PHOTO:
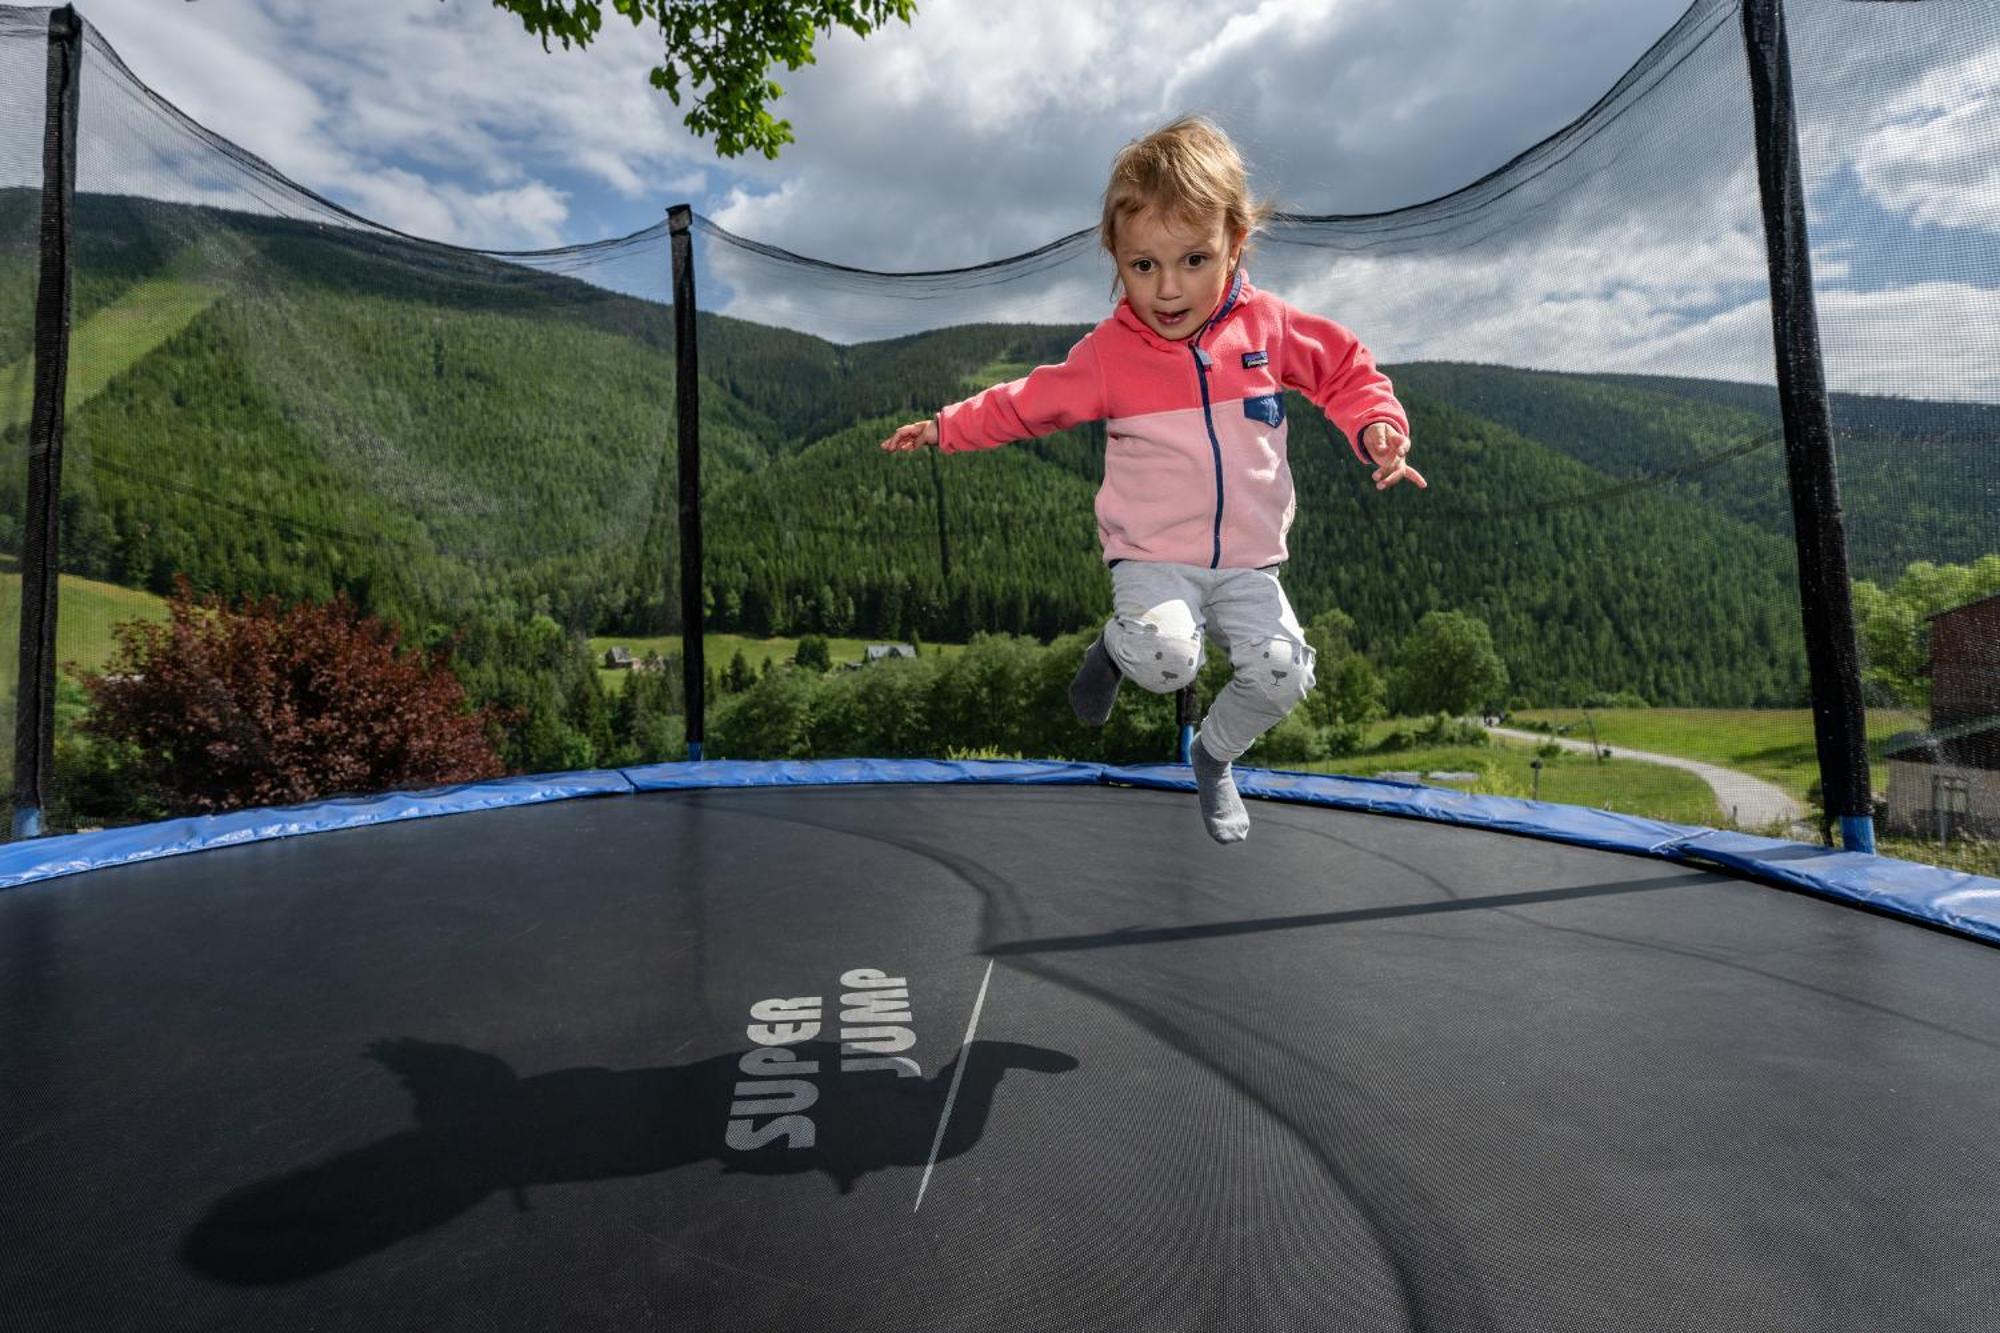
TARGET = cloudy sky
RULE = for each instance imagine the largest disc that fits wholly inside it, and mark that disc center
(984, 129)
(979, 130)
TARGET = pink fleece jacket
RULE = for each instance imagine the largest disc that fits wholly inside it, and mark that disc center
(1194, 463)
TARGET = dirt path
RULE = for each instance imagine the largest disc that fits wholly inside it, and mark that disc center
(1747, 802)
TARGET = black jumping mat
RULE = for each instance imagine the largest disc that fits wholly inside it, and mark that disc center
(964, 1057)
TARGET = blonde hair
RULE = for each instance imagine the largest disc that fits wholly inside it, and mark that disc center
(1188, 172)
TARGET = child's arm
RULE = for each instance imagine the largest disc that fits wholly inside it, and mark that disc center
(1045, 400)
(1328, 364)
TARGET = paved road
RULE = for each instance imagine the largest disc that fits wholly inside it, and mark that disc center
(1751, 803)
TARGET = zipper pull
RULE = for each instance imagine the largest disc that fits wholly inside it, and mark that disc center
(1201, 355)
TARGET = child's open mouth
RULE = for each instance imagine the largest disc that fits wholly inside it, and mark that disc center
(1170, 321)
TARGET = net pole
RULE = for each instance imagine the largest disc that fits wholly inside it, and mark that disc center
(35, 702)
(687, 404)
(1839, 720)
(1187, 712)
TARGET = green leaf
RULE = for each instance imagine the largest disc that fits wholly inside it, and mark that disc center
(722, 48)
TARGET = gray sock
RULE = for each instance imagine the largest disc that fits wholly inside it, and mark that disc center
(1095, 688)
(1221, 808)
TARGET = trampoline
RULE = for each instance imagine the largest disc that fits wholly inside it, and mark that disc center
(991, 1045)
(963, 1056)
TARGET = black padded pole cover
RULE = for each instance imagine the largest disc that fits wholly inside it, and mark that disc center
(1824, 595)
(34, 725)
(687, 404)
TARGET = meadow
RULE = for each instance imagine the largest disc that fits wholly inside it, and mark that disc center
(86, 611)
(720, 648)
(1624, 786)
(105, 343)
(1775, 744)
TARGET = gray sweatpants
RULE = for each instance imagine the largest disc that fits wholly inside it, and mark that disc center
(1155, 637)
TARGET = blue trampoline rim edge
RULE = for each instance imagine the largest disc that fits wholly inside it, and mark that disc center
(1964, 904)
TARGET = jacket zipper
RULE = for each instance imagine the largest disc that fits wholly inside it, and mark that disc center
(1201, 363)
(1214, 445)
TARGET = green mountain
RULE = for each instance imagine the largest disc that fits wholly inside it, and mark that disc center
(274, 407)
(1919, 480)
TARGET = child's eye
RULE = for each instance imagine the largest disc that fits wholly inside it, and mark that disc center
(1142, 266)
(1196, 261)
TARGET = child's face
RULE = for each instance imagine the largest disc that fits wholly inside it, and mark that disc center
(1174, 275)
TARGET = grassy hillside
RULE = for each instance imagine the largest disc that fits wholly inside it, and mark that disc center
(1773, 744)
(87, 610)
(1625, 786)
(108, 342)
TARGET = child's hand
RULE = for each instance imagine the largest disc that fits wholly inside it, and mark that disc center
(1388, 447)
(916, 435)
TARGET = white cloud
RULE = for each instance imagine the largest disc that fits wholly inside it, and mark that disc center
(23, 65)
(1931, 155)
(448, 116)
(1938, 340)
(1575, 291)
(523, 217)
(986, 130)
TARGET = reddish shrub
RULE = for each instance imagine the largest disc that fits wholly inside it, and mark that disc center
(265, 705)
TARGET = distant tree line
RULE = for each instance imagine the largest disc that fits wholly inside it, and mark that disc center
(222, 706)
(1892, 623)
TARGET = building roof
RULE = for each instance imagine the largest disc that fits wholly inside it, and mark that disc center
(1968, 606)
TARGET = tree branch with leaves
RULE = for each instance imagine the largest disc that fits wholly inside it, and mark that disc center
(722, 51)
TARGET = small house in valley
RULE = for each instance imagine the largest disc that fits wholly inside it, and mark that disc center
(877, 651)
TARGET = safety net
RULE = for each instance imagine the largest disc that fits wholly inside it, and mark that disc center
(402, 513)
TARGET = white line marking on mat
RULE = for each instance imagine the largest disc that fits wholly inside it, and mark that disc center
(964, 1054)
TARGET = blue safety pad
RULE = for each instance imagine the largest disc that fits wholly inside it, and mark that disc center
(1968, 904)
(834, 772)
(1380, 796)
(72, 853)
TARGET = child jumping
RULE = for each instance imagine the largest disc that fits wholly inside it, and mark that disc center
(1188, 374)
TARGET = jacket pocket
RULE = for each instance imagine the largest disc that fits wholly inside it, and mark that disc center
(1269, 409)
